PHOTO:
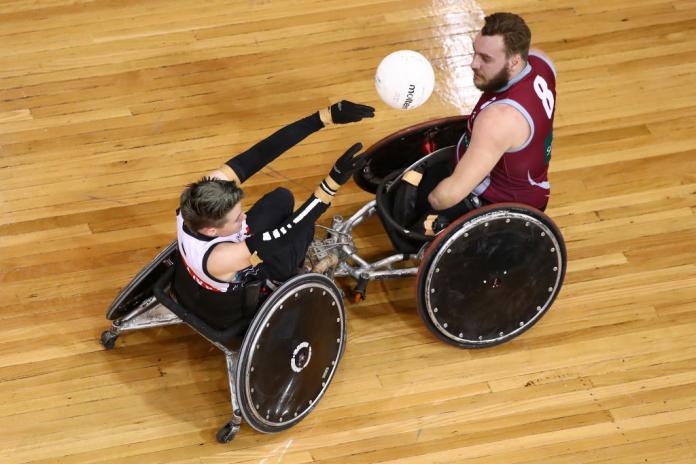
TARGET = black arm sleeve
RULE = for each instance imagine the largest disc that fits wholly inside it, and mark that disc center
(255, 158)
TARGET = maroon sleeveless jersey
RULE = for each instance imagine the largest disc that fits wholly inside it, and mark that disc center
(521, 173)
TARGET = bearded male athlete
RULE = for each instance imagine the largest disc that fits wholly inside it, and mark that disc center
(504, 153)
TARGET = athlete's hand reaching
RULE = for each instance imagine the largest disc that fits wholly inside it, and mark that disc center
(345, 112)
(347, 164)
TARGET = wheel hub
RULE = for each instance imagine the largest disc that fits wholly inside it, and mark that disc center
(301, 356)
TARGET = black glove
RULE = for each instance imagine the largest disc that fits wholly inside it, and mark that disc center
(345, 111)
(347, 164)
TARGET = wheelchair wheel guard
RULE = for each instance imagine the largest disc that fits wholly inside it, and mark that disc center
(491, 275)
(139, 289)
(402, 148)
(290, 352)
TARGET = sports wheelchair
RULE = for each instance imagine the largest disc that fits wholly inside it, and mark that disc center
(483, 280)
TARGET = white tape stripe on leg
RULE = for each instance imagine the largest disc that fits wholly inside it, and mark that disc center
(306, 211)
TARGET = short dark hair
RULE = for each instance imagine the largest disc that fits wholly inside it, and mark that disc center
(515, 32)
(206, 203)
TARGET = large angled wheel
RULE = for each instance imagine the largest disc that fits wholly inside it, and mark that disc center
(290, 352)
(491, 275)
(139, 290)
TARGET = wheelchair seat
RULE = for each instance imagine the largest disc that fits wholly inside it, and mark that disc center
(219, 310)
(403, 237)
(223, 336)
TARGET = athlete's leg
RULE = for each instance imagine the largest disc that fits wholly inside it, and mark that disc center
(287, 261)
(271, 210)
(282, 248)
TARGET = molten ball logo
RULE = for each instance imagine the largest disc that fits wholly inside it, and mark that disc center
(404, 79)
(409, 96)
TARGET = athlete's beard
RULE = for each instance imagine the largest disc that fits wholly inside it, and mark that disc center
(496, 82)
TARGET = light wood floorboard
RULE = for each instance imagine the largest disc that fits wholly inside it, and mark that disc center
(108, 108)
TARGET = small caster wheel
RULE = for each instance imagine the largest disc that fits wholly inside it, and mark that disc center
(227, 433)
(108, 339)
(360, 290)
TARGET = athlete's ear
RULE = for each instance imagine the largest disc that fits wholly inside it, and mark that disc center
(515, 60)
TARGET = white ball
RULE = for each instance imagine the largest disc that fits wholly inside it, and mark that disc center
(405, 79)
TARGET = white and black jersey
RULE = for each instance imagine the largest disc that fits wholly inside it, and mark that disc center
(194, 250)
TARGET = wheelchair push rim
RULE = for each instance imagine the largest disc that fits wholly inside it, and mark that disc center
(491, 275)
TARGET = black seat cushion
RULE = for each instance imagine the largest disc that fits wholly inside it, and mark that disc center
(217, 309)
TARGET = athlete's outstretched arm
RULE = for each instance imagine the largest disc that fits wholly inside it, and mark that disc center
(230, 257)
(248, 163)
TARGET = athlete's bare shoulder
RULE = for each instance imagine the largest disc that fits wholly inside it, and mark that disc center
(227, 258)
(502, 125)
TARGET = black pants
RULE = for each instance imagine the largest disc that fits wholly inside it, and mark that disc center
(271, 211)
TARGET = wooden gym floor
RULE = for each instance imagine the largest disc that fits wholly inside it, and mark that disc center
(109, 107)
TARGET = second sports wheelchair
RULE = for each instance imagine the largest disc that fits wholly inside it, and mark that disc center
(483, 280)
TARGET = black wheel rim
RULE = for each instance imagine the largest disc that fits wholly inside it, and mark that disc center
(491, 277)
(291, 352)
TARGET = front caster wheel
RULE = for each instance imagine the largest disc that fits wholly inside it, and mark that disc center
(227, 433)
(108, 339)
(360, 290)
